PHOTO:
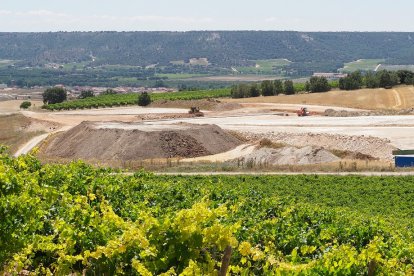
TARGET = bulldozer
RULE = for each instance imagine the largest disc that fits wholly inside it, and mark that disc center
(303, 112)
(196, 112)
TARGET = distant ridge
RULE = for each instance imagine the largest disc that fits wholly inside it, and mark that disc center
(221, 48)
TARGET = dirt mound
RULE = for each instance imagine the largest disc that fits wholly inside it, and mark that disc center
(178, 145)
(291, 156)
(122, 141)
(374, 147)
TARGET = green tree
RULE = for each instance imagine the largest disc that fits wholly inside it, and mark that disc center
(351, 82)
(144, 99)
(319, 84)
(254, 90)
(405, 76)
(268, 88)
(387, 79)
(278, 87)
(371, 80)
(289, 89)
(240, 91)
(86, 94)
(307, 86)
(54, 95)
(25, 105)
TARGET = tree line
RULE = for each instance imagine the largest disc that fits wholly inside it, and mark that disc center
(380, 79)
(355, 80)
(276, 87)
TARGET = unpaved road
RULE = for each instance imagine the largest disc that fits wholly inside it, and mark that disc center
(26, 148)
(31, 144)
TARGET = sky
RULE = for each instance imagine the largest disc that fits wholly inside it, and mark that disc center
(188, 15)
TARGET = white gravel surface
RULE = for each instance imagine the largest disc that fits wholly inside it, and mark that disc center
(398, 129)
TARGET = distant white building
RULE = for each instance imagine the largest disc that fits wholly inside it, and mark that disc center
(3, 85)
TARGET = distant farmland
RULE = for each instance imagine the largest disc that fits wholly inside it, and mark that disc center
(362, 65)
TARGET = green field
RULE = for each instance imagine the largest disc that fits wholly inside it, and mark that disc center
(6, 62)
(73, 219)
(131, 99)
(362, 65)
(266, 66)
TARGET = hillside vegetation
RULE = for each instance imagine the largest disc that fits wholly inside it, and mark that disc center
(65, 219)
(225, 48)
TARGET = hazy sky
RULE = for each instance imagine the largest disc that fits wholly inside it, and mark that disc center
(184, 15)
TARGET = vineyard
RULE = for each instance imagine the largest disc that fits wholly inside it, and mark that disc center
(63, 219)
(131, 99)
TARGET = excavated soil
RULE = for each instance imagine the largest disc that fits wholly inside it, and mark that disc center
(291, 156)
(129, 142)
(364, 147)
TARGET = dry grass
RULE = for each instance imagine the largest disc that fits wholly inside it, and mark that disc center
(175, 165)
(12, 133)
(14, 106)
(401, 97)
(267, 143)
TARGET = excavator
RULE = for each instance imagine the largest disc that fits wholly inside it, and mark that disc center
(196, 112)
(303, 112)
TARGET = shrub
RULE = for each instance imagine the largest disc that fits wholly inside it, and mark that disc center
(25, 105)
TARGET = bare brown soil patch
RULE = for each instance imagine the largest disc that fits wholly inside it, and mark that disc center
(16, 129)
(89, 141)
(345, 147)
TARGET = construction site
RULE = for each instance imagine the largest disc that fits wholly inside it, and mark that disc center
(284, 133)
